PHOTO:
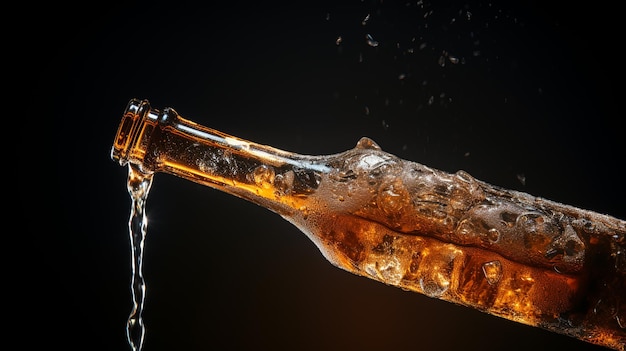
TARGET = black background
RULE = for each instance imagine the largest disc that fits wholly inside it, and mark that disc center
(534, 96)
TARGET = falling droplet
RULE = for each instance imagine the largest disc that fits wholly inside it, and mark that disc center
(492, 271)
(385, 124)
(367, 18)
(339, 40)
(370, 41)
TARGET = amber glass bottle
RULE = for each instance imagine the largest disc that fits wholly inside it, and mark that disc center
(448, 236)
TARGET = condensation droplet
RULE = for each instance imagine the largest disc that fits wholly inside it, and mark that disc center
(492, 271)
(493, 235)
(390, 198)
(465, 230)
(367, 143)
(570, 246)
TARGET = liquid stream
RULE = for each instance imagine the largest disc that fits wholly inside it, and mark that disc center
(138, 188)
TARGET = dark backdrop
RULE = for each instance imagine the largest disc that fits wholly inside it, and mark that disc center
(531, 104)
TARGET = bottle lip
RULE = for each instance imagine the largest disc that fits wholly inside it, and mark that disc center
(128, 129)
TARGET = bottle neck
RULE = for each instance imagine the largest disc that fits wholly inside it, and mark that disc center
(162, 141)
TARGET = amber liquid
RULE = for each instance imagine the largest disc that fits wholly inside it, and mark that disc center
(447, 236)
(451, 237)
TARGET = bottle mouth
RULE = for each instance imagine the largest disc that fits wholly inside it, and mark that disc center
(128, 130)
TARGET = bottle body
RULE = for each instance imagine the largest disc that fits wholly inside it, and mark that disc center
(448, 236)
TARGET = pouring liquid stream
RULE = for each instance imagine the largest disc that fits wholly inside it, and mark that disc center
(138, 187)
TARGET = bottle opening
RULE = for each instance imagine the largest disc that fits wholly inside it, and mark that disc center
(128, 129)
